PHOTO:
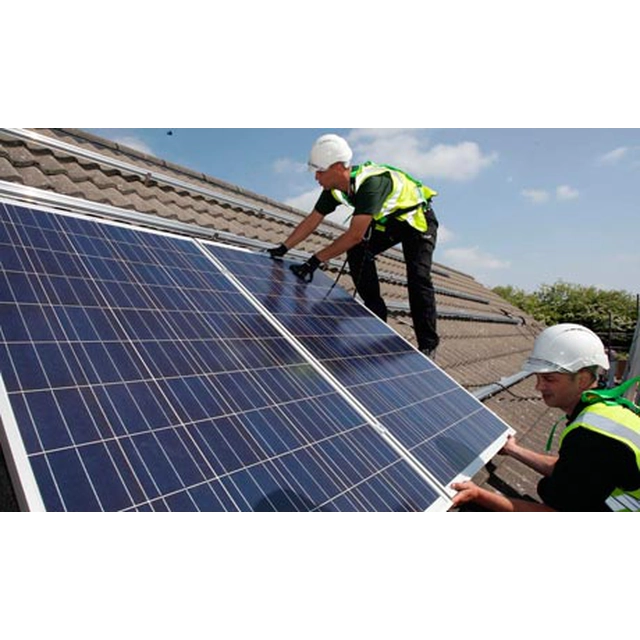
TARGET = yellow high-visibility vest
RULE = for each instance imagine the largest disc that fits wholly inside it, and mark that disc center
(407, 202)
(617, 422)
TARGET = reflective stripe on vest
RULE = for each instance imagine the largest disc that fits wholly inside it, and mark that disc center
(622, 425)
(407, 195)
(619, 501)
(610, 427)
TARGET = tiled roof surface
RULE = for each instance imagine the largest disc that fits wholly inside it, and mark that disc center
(484, 339)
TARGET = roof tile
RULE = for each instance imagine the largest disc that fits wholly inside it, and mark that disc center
(9, 173)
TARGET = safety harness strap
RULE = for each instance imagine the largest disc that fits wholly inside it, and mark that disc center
(610, 397)
(614, 396)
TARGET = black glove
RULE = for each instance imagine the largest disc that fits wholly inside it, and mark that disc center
(278, 252)
(305, 271)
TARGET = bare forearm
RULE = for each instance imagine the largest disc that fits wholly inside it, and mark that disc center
(497, 502)
(469, 492)
(539, 462)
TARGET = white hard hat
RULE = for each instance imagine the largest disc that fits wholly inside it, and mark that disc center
(327, 150)
(566, 348)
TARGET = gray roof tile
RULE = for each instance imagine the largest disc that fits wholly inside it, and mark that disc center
(9, 172)
(34, 177)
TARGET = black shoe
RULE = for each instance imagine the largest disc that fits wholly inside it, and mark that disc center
(430, 353)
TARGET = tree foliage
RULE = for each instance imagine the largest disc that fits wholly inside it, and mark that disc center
(599, 310)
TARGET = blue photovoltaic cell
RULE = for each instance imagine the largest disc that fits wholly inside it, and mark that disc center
(140, 378)
(442, 425)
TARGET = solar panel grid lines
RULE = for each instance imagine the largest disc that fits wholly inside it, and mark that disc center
(276, 289)
(69, 404)
(114, 418)
(447, 431)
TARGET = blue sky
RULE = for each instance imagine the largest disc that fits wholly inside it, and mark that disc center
(517, 206)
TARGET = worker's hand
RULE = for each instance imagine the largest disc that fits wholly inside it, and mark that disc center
(467, 492)
(305, 271)
(509, 447)
(278, 252)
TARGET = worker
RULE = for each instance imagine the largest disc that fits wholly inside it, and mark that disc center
(598, 463)
(389, 207)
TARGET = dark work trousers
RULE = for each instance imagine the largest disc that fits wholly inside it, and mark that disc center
(418, 255)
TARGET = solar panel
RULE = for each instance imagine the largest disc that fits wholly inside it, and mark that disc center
(446, 429)
(136, 375)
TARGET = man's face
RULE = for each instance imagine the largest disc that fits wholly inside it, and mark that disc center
(560, 390)
(327, 178)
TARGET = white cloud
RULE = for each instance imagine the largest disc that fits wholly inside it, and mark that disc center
(135, 143)
(565, 192)
(472, 260)
(537, 196)
(613, 157)
(409, 150)
(305, 201)
(460, 162)
(541, 196)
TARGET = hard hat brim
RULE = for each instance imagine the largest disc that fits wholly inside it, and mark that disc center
(314, 168)
(535, 365)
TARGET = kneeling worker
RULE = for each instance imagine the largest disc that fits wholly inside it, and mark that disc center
(599, 457)
(390, 207)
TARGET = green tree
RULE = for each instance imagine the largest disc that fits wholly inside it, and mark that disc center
(599, 310)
